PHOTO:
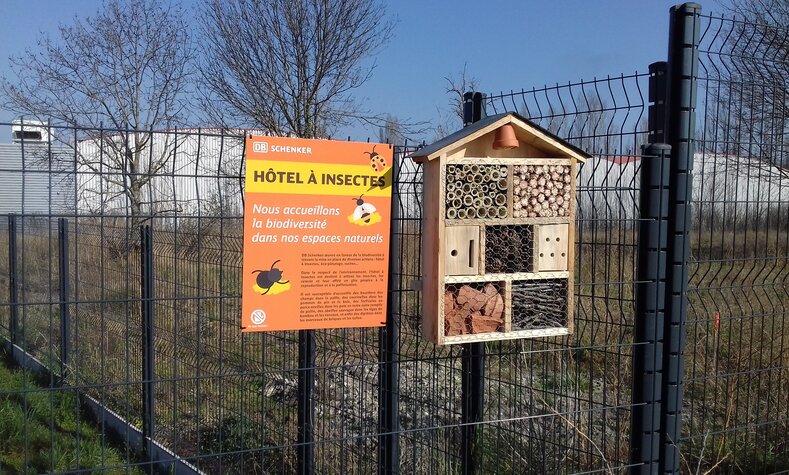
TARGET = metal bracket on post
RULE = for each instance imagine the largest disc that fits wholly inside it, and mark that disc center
(683, 58)
(148, 367)
(13, 281)
(63, 288)
(650, 306)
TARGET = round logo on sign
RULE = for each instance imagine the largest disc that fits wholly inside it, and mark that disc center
(258, 317)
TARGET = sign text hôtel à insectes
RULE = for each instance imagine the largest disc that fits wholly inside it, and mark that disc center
(316, 234)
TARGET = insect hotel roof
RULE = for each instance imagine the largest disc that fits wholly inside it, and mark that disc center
(476, 140)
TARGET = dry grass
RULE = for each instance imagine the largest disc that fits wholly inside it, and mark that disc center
(220, 391)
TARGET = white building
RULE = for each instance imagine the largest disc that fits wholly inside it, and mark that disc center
(36, 173)
(723, 186)
(191, 172)
(185, 172)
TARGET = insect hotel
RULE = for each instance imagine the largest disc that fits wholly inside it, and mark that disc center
(498, 232)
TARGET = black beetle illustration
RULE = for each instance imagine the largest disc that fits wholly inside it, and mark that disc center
(267, 278)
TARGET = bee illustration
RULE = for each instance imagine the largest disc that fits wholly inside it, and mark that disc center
(267, 278)
(363, 210)
(377, 162)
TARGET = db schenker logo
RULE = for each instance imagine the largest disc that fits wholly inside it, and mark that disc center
(258, 317)
(261, 147)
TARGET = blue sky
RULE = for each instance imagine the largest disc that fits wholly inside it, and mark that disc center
(504, 44)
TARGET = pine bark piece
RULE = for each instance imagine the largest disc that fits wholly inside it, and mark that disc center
(454, 324)
(455, 321)
(489, 290)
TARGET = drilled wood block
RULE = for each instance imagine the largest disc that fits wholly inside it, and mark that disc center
(551, 247)
(461, 252)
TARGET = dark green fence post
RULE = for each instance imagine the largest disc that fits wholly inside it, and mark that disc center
(389, 345)
(148, 367)
(650, 305)
(305, 450)
(13, 281)
(63, 289)
(684, 35)
(473, 354)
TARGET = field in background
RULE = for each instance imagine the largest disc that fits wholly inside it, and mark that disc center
(218, 391)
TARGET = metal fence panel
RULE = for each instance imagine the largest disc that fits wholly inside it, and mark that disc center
(737, 414)
(224, 402)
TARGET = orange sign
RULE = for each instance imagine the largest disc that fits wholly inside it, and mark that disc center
(316, 234)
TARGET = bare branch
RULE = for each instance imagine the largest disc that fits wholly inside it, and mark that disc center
(129, 67)
(289, 66)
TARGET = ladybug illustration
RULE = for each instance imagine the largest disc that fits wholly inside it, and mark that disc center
(377, 162)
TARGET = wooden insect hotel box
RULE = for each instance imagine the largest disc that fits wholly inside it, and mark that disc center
(498, 232)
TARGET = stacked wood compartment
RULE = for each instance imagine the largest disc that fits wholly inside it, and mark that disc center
(515, 250)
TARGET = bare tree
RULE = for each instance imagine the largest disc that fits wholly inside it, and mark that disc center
(289, 66)
(750, 92)
(590, 128)
(393, 131)
(451, 116)
(127, 68)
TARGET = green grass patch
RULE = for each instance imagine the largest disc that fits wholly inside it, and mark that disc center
(44, 430)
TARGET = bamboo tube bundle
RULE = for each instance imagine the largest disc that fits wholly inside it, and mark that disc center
(480, 190)
(537, 190)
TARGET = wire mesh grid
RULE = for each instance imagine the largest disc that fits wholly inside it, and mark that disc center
(227, 402)
(509, 248)
(563, 403)
(737, 352)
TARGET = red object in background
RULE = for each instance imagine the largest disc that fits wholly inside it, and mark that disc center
(717, 321)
